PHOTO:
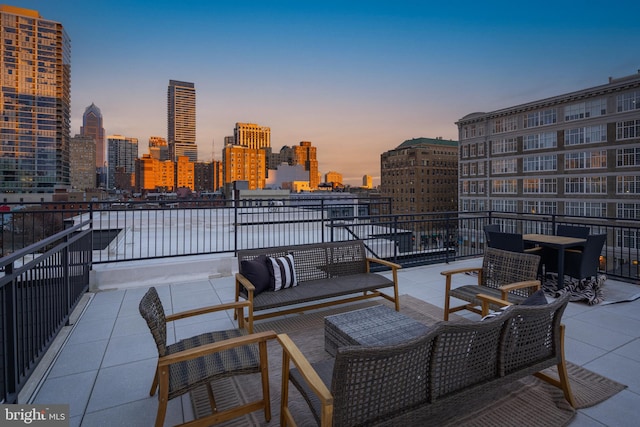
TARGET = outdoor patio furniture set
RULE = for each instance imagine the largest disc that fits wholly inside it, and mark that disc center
(387, 367)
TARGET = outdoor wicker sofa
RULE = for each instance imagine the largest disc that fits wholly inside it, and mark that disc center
(428, 379)
(323, 274)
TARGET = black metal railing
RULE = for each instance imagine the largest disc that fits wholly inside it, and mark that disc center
(43, 281)
(146, 230)
(39, 287)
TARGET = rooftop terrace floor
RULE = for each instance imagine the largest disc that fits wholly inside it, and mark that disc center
(105, 360)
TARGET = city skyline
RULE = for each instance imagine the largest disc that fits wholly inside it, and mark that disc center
(355, 79)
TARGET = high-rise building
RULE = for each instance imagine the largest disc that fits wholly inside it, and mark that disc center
(82, 161)
(245, 158)
(305, 154)
(122, 152)
(158, 148)
(571, 154)
(421, 175)
(251, 135)
(35, 103)
(244, 164)
(181, 120)
(92, 127)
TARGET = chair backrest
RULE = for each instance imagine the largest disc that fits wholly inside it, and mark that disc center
(366, 380)
(589, 258)
(490, 228)
(506, 241)
(572, 231)
(152, 311)
(531, 335)
(500, 267)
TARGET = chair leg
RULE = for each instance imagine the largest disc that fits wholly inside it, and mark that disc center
(264, 372)
(163, 395)
(212, 399)
(154, 384)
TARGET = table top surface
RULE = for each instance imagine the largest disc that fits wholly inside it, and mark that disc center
(553, 240)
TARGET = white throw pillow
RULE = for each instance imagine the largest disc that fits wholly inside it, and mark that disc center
(283, 272)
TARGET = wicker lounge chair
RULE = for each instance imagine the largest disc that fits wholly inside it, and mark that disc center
(509, 276)
(196, 361)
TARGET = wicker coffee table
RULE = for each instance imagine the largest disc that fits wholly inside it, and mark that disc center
(371, 326)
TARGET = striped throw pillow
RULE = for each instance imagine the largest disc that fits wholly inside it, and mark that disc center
(283, 275)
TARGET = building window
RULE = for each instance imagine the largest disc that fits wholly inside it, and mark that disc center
(465, 151)
(628, 129)
(481, 168)
(629, 184)
(540, 163)
(585, 135)
(628, 239)
(628, 210)
(540, 118)
(584, 110)
(585, 208)
(505, 124)
(540, 141)
(480, 148)
(501, 166)
(628, 101)
(585, 160)
(502, 146)
(586, 185)
(628, 157)
(504, 186)
(541, 207)
(540, 186)
(504, 205)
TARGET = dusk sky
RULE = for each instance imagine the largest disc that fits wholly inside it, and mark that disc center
(356, 78)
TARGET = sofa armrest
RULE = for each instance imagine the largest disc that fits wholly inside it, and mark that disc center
(292, 354)
(487, 300)
(237, 307)
(462, 270)
(384, 262)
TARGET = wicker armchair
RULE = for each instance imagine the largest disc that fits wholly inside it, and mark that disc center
(196, 361)
(509, 276)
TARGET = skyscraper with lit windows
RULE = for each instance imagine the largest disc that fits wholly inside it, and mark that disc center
(35, 104)
(181, 120)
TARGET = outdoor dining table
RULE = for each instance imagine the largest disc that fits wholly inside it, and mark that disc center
(560, 243)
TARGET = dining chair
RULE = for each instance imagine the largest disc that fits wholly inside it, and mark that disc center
(490, 228)
(194, 362)
(572, 231)
(512, 242)
(585, 264)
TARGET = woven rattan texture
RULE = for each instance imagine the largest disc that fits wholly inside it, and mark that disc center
(424, 380)
(501, 268)
(372, 326)
(323, 270)
(190, 374)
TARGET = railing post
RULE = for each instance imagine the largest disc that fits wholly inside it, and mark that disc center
(446, 237)
(322, 220)
(235, 226)
(10, 344)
